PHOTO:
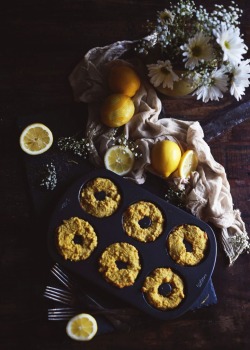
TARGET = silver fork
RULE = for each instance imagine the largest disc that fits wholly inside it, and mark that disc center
(67, 297)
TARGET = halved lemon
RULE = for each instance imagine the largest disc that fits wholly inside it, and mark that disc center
(82, 327)
(36, 139)
(119, 159)
(188, 163)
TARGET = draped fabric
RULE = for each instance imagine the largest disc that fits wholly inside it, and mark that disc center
(208, 191)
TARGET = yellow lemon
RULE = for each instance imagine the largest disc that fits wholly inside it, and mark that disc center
(117, 110)
(82, 327)
(165, 157)
(123, 79)
(119, 159)
(36, 139)
(188, 163)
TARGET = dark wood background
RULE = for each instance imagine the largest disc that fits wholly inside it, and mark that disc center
(41, 42)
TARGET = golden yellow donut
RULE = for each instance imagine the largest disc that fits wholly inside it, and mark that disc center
(137, 212)
(177, 248)
(151, 286)
(73, 229)
(104, 206)
(120, 252)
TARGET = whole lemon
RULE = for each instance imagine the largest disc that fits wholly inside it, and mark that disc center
(165, 157)
(117, 110)
(123, 79)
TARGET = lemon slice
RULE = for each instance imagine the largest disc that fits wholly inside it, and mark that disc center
(82, 327)
(188, 163)
(36, 139)
(119, 159)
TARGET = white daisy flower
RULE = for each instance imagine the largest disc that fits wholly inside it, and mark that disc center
(166, 16)
(196, 50)
(162, 73)
(240, 79)
(231, 43)
(213, 86)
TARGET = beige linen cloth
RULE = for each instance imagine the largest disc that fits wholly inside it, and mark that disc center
(208, 191)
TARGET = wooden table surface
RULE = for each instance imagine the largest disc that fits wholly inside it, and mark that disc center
(41, 42)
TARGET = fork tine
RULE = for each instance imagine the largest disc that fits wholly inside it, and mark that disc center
(60, 314)
(62, 276)
(61, 310)
(59, 295)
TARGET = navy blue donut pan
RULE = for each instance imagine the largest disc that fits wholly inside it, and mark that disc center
(152, 255)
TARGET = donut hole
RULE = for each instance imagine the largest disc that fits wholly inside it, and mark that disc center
(100, 195)
(78, 239)
(121, 264)
(188, 245)
(145, 222)
(165, 289)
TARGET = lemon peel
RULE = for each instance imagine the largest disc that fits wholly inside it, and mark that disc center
(123, 79)
(165, 157)
(117, 110)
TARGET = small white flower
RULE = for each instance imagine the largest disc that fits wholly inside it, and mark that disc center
(197, 49)
(162, 73)
(231, 43)
(240, 79)
(213, 87)
(166, 16)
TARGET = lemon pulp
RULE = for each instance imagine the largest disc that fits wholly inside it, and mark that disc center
(119, 159)
(36, 139)
(188, 164)
(82, 327)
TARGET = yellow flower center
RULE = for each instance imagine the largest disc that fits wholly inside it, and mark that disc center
(165, 71)
(227, 45)
(196, 51)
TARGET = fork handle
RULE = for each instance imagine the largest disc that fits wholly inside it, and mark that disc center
(114, 316)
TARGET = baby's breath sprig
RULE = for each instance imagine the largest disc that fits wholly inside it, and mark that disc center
(176, 196)
(124, 141)
(82, 147)
(238, 242)
(49, 180)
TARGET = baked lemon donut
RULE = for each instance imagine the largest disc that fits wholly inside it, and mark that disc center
(177, 249)
(126, 254)
(100, 197)
(152, 284)
(76, 239)
(135, 214)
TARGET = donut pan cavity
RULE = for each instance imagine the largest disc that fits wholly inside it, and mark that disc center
(152, 255)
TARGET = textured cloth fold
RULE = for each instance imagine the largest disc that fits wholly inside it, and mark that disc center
(208, 192)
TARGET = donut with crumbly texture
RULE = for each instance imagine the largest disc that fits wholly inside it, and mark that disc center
(151, 286)
(120, 252)
(100, 207)
(137, 212)
(67, 233)
(177, 248)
